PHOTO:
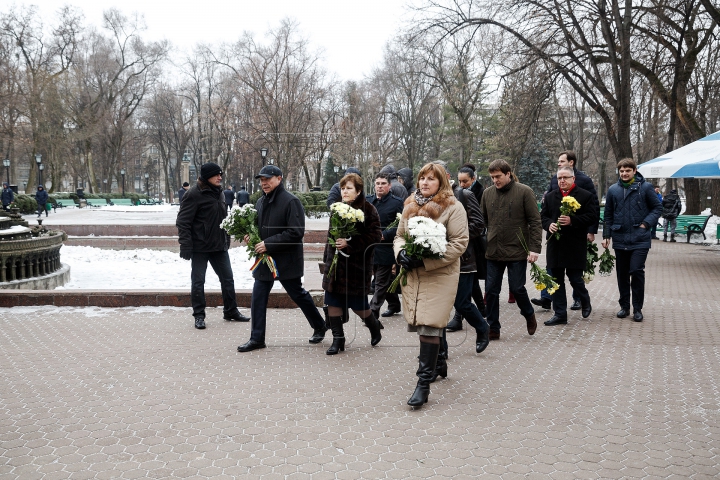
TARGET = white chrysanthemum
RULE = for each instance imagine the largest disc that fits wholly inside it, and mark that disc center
(429, 234)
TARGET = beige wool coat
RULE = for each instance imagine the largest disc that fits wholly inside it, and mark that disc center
(430, 292)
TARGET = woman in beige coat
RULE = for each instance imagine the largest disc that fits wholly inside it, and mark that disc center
(431, 283)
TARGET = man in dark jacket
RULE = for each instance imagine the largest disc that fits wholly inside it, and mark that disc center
(568, 254)
(229, 197)
(510, 212)
(41, 197)
(202, 241)
(568, 159)
(396, 188)
(243, 197)
(388, 206)
(281, 220)
(8, 196)
(180, 193)
(671, 208)
(334, 195)
(631, 209)
(405, 177)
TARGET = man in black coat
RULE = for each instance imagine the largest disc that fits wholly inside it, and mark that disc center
(229, 197)
(202, 241)
(42, 198)
(182, 191)
(671, 208)
(281, 220)
(569, 159)
(388, 206)
(243, 197)
(568, 254)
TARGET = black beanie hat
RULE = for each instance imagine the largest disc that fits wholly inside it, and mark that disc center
(209, 170)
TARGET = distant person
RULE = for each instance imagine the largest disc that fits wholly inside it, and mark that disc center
(671, 208)
(202, 241)
(181, 192)
(334, 196)
(8, 196)
(243, 197)
(41, 196)
(405, 177)
(229, 197)
(281, 220)
(396, 188)
(653, 231)
(631, 209)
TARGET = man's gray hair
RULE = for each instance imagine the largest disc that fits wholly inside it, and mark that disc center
(567, 169)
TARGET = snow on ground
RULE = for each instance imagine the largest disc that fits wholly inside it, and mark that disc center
(143, 269)
(37, 311)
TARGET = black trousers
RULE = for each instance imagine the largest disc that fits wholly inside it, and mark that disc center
(294, 289)
(383, 278)
(559, 298)
(220, 262)
(630, 269)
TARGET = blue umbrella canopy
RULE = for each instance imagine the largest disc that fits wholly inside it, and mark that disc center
(699, 159)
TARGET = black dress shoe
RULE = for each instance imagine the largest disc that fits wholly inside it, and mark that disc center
(455, 323)
(482, 340)
(389, 313)
(555, 320)
(586, 310)
(542, 302)
(318, 335)
(576, 305)
(638, 316)
(236, 317)
(251, 345)
(199, 323)
(622, 313)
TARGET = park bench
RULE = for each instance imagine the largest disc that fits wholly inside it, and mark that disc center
(96, 202)
(126, 202)
(692, 225)
(62, 204)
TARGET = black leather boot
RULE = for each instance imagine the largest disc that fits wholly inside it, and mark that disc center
(441, 365)
(426, 367)
(373, 324)
(455, 323)
(338, 345)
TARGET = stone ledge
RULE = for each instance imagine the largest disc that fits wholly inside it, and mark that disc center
(136, 298)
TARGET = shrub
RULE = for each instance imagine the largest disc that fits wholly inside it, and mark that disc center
(25, 203)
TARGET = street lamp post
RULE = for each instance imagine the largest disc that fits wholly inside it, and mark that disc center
(105, 185)
(263, 154)
(122, 172)
(6, 162)
(41, 168)
(38, 160)
(147, 186)
(336, 169)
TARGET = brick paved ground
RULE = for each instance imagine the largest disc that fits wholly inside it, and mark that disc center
(129, 393)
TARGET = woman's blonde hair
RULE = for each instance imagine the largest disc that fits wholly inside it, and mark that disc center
(438, 172)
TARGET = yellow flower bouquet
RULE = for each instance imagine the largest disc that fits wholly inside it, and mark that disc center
(539, 276)
(569, 205)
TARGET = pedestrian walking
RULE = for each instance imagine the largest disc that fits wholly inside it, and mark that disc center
(432, 283)
(512, 218)
(229, 197)
(7, 197)
(671, 208)
(346, 281)
(181, 192)
(41, 197)
(202, 241)
(243, 197)
(631, 209)
(281, 222)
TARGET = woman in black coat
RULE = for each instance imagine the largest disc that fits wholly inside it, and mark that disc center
(348, 286)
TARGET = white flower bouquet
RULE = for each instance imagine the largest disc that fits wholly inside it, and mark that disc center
(343, 224)
(242, 221)
(424, 238)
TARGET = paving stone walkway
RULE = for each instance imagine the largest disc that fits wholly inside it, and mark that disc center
(139, 393)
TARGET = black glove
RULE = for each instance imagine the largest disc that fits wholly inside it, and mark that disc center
(186, 254)
(407, 262)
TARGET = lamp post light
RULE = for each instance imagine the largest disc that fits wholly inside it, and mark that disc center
(263, 154)
(38, 160)
(105, 185)
(122, 172)
(41, 167)
(147, 186)
(6, 162)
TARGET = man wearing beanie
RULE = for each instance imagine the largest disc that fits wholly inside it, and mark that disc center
(202, 240)
(281, 220)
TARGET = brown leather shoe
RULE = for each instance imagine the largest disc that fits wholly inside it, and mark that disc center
(531, 324)
(494, 335)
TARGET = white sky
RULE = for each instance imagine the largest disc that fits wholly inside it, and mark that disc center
(351, 32)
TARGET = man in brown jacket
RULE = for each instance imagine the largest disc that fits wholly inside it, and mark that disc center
(511, 214)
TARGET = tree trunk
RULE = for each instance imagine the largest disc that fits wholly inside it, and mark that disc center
(715, 193)
(692, 196)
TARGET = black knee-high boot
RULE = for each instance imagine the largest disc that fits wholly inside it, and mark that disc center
(338, 345)
(426, 367)
(441, 365)
(373, 324)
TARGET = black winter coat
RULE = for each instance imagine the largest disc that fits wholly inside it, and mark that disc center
(626, 209)
(41, 197)
(198, 220)
(229, 196)
(181, 193)
(480, 243)
(586, 183)
(476, 227)
(570, 251)
(387, 207)
(353, 273)
(243, 197)
(8, 196)
(671, 206)
(281, 218)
